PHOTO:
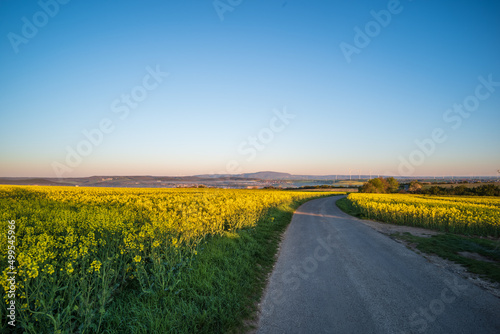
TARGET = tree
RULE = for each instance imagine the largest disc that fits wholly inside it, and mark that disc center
(380, 185)
(415, 187)
(435, 190)
(368, 187)
(487, 190)
(393, 184)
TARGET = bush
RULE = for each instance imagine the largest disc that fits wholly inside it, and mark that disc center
(380, 185)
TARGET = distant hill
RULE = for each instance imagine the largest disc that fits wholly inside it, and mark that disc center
(247, 180)
(267, 176)
(32, 181)
(161, 181)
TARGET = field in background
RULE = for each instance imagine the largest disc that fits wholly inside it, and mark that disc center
(149, 260)
(348, 183)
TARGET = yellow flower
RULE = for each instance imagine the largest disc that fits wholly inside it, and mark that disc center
(49, 269)
(95, 266)
(137, 258)
(33, 273)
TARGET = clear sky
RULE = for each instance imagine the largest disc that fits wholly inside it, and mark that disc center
(181, 87)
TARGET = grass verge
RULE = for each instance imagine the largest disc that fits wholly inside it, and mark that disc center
(480, 256)
(345, 205)
(217, 292)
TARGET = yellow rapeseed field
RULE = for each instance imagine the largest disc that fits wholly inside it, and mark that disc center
(77, 247)
(456, 214)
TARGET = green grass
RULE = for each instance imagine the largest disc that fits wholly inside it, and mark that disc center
(449, 245)
(218, 291)
(345, 205)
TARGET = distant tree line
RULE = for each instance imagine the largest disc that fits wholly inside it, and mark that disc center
(482, 190)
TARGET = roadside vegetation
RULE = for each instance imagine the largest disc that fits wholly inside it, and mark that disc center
(348, 207)
(94, 260)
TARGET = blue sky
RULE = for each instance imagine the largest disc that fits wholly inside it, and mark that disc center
(216, 110)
